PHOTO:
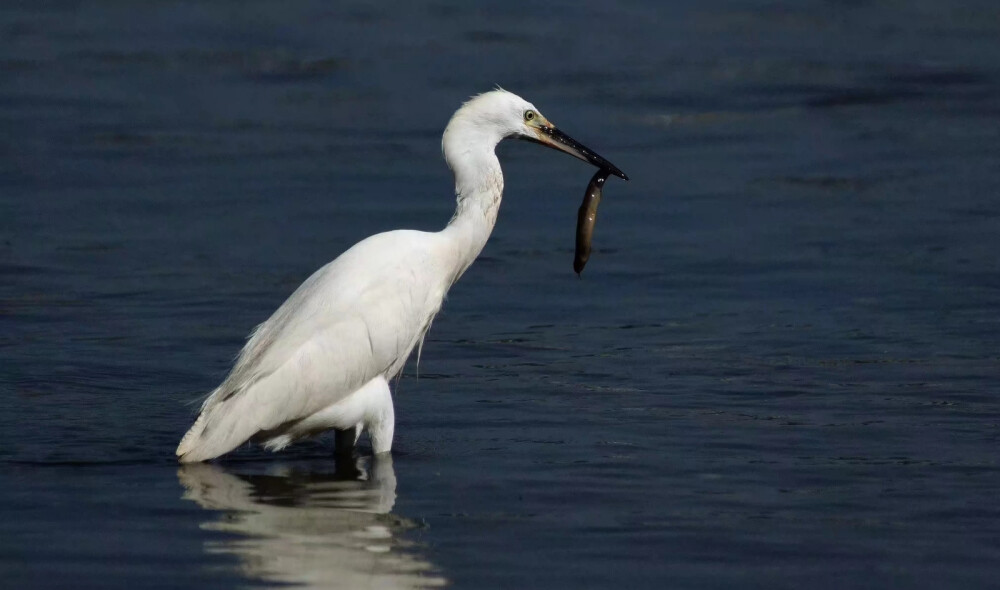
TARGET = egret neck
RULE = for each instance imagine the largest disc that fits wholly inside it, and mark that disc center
(470, 153)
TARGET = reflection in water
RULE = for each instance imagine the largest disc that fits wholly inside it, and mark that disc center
(318, 530)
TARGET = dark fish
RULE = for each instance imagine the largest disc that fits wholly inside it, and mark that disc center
(587, 217)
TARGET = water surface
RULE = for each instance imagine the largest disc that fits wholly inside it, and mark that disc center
(779, 369)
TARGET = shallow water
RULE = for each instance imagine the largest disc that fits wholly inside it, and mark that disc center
(780, 367)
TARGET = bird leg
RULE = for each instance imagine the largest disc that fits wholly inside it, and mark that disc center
(346, 439)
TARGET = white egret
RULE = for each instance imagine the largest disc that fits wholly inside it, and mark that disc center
(324, 359)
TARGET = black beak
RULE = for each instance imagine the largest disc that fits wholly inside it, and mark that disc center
(553, 138)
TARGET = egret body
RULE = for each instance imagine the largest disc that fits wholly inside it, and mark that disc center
(324, 359)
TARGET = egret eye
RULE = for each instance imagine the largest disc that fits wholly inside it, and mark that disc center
(529, 115)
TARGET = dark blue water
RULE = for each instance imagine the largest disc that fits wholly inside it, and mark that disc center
(780, 368)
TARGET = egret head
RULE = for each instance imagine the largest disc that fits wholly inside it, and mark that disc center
(500, 114)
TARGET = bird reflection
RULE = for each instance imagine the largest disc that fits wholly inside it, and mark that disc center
(311, 529)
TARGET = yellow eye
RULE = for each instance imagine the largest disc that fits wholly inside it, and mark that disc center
(529, 115)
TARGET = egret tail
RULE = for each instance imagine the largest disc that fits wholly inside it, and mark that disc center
(201, 443)
(225, 424)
